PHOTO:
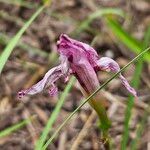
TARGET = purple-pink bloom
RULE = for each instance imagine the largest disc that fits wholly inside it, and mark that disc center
(83, 62)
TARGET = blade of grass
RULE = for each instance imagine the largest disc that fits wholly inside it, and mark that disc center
(4, 40)
(15, 127)
(135, 84)
(125, 38)
(13, 42)
(147, 38)
(130, 104)
(139, 131)
(86, 100)
(54, 115)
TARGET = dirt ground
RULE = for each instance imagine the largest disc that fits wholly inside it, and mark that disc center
(33, 57)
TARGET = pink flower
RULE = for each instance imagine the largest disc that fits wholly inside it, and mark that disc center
(83, 62)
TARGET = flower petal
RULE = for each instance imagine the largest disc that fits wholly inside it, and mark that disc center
(49, 79)
(82, 58)
(53, 90)
(71, 48)
(64, 64)
(108, 64)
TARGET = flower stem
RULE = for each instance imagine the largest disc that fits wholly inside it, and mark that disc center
(99, 106)
(101, 112)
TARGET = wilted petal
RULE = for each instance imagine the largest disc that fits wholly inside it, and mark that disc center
(74, 49)
(108, 64)
(86, 75)
(49, 79)
(82, 58)
(64, 64)
(53, 90)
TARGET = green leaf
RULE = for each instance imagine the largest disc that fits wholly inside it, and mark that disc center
(141, 125)
(125, 38)
(130, 104)
(15, 127)
(54, 115)
(4, 40)
(13, 42)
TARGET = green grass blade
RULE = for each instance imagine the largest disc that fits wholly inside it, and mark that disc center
(130, 104)
(15, 127)
(86, 100)
(147, 38)
(4, 40)
(13, 42)
(139, 131)
(125, 38)
(96, 14)
(135, 83)
(54, 115)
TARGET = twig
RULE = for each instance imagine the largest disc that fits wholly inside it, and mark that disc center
(62, 141)
(30, 127)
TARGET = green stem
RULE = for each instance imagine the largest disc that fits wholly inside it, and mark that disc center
(105, 123)
(101, 112)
